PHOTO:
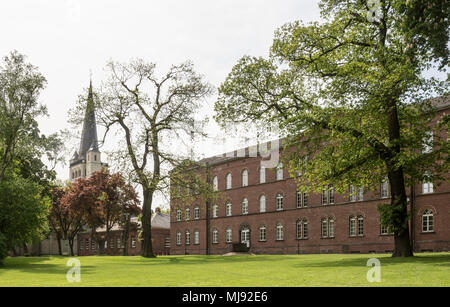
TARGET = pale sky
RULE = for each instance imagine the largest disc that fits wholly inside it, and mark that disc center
(68, 38)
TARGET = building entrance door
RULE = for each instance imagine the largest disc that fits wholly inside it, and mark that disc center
(245, 236)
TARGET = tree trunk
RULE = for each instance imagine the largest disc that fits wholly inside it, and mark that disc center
(58, 239)
(147, 248)
(71, 247)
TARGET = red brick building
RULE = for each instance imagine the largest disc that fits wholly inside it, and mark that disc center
(262, 209)
(115, 245)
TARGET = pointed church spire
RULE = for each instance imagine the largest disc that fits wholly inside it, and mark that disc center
(89, 134)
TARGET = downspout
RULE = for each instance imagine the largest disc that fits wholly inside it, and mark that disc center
(208, 179)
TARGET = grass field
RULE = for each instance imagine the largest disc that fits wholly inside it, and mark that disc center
(259, 271)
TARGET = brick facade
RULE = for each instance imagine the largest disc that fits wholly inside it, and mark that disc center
(340, 212)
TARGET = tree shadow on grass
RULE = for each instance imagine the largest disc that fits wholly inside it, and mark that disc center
(41, 265)
(385, 260)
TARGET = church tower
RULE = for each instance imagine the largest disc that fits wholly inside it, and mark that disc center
(87, 159)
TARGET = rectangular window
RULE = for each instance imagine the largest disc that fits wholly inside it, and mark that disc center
(331, 228)
(305, 230)
(324, 233)
(119, 243)
(324, 196)
(262, 234)
(360, 194)
(196, 237)
(167, 242)
(229, 237)
(133, 242)
(352, 228)
(384, 189)
(352, 193)
(299, 199)
(111, 243)
(360, 226)
(178, 238)
(262, 175)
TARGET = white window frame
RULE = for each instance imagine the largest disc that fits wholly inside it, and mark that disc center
(178, 239)
(262, 203)
(178, 215)
(280, 172)
(215, 236)
(229, 209)
(196, 237)
(428, 221)
(229, 181)
(196, 213)
(215, 210)
(229, 235)
(280, 232)
(215, 183)
(245, 178)
(262, 233)
(279, 202)
(262, 174)
(245, 206)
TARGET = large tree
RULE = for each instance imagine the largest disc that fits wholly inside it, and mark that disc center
(351, 97)
(150, 113)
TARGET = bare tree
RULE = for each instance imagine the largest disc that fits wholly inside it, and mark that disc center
(153, 115)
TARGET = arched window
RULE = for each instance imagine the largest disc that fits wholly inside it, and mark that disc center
(427, 185)
(331, 227)
(352, 226)
(178, 238)
(428, 221)
(262, 174)
(324, 228)
(196, 213)
(229, 179)
(245, 178)
(280, 172)
(228, 209)
(215, 236)
(215, 210)
(280, 234)
(360, 226)
(216, 183)
(262, 203)
(279, 201)
(229, 237)
(245, 206)
(178, 215)
(262, 233)
(188, 237)
(196, 237)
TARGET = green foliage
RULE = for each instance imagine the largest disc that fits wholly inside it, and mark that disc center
(23, 211)
(3, 248)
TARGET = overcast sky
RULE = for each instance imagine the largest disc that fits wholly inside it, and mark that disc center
(68, 38)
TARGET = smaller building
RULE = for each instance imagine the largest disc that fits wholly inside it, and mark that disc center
(114, 246)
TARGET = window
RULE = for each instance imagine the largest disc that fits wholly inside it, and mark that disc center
(119, 243)
(262, 203)
(279, 202)
(215, 236)
(178, 238)
(92, 245)
(352, 193)
(324, 228)
(167, 242)
(299, 199)
(178, 215)
(427, 145)
(360, 193)
(280, 172)
(262, 233)
(331, 194)
(324, 195)
(196, 237)
(229, 207)
(331, 228)
(229, 179)
(384, 189)
(187, 216)
(215, 209)
(360, 226)
(215, 184)
(279, 232)
(384, 230)
(302, 229)
(305, 199)
(187, 237)
(81, 244)
(428, 221)
(87, 244)
(245, 178)
(352, 226)
(427, 185)
(196, 213)
(262, 174)
(229, 235)
(111, 243)
(245, 206)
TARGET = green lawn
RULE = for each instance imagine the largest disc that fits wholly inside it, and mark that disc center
(281, 270)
